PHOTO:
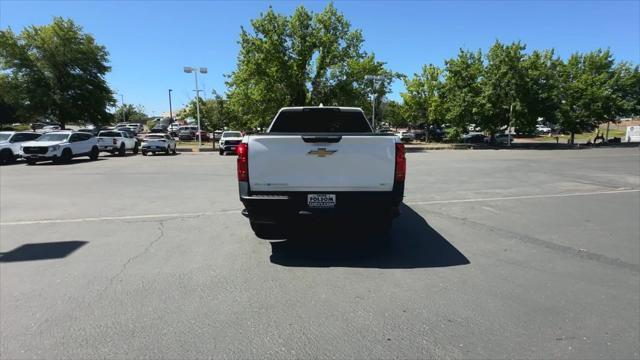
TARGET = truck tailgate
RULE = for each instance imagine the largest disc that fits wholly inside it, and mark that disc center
(279, 163)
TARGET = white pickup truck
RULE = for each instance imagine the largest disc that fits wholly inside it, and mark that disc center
(115, 141)
(319, 162)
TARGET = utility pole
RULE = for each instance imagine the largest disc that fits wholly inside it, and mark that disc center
(374, 78)
(202, 70)
(170, 109)
(510, 123)
(124, 117)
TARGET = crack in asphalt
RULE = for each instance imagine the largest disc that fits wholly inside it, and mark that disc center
(134, 257)
(567, 250)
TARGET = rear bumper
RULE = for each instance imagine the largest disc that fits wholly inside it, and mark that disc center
(274, 207)
(154, 148)
(227, 148)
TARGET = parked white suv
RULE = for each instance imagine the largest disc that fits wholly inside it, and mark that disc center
(61, 146)
(154, 143)
(10, 143)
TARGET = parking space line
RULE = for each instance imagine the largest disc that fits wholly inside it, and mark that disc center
(105, 218)
(182, 215)
(523, 197)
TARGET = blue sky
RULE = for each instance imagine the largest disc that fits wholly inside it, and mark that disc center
(150, 41)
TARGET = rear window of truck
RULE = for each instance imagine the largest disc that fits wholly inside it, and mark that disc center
(320, 120)
(110, 134)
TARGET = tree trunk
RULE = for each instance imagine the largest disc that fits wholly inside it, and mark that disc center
(573, 136)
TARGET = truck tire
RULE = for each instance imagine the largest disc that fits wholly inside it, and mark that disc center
(95, 152)
(267, 231)
(166, 151)
(220, 152)
(6, 156)
(122, 151)
(144, 153)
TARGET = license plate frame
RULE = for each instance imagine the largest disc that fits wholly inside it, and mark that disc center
(321, 201)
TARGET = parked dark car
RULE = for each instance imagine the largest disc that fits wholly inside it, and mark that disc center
(419, 135)
(186, 135)
(204, 134)
(187, 132)
(160, 129)
(40, 125)
(474, 138)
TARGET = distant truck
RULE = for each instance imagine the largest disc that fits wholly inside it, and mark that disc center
(633, 134)
(117, 142)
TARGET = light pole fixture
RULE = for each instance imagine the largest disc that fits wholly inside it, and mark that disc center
(124, 118)
(195, 70)
(375, 79)
(170, 109)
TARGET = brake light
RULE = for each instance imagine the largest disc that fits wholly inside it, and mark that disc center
(401, 163)
(115, 142)
(243, 162)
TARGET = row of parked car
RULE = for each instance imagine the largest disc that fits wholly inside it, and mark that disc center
(63, 145)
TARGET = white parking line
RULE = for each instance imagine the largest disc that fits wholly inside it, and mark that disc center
(105, 218)
(521, 197)
(181, 215)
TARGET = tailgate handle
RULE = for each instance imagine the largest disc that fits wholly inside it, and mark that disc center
(322, 139)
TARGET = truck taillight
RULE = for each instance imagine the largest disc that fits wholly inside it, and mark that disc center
(115, 142)
(243, 162)
(401, 163)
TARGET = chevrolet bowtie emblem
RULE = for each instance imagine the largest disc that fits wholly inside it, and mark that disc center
(321, 152)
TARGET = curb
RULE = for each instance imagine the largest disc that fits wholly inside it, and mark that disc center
(518, 146)
(194, 150)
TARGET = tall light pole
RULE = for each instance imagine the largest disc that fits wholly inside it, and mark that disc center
(124, 118)
(373, 78)
(170, 109)
(202, 70)
(510, 123)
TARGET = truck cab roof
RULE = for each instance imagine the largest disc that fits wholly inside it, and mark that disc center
(340, 108)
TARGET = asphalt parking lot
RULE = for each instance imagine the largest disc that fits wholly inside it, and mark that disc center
(497, 254)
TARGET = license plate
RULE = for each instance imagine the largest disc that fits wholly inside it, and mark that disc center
(321, 200)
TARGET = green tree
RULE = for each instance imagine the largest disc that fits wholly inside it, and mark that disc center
(625, 85)
(504, 88)
(394, 114)
(9, 98)
(299, 60)
(130, 113)
(542, 94)
(588, 96)
(215, 113)
(461, 91)
(60, 72)
(423, 97)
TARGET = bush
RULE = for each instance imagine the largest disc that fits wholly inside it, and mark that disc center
(454, 135)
